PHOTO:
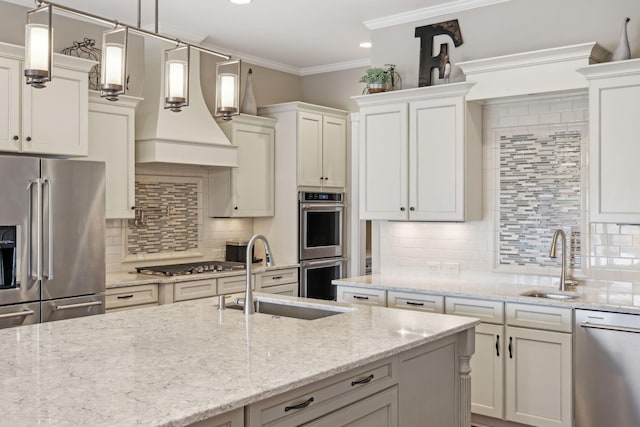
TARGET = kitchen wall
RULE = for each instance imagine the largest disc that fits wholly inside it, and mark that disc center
(473, 249)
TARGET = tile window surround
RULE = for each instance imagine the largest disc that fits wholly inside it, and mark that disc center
(212, 234)
(471, 249)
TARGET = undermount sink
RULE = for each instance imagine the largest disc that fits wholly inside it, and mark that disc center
(304, 312)
(551, 294)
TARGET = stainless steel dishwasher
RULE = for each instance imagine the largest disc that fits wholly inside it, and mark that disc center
(607, 369)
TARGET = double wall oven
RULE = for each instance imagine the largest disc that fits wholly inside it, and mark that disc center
(321, 246)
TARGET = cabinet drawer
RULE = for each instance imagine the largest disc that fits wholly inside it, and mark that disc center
(233, 284)
(288, 289)
(540, 317)
(183, 291)
(311, 402)
(131, 296)
(279, 277)
(486, 311)
(414, 301)
(362, 296)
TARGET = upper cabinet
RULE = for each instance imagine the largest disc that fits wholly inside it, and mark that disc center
(320, 136)
(249, 189)
(614, 109)
(420, 155)
(112, 140)
(49, 121)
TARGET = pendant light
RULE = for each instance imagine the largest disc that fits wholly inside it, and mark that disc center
(227, 89)
(176, 78)
(113, 70)
(38, 47)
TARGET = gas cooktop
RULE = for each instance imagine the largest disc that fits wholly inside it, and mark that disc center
(191, 268)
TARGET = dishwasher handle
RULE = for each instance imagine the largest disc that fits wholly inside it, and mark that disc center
(610, 328)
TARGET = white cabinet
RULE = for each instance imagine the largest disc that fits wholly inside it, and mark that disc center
(367, 296)
(52, 120)
(614, 108)
(319, 136)
(281, 282)
(129, 297)
(228, 419)
(111, 140)
(415, 301)
(522, 371)
(249, 189)
(321, 149)
(420, 155)
(194, 289)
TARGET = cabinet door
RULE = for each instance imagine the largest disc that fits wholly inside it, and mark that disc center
(379, 410)
(334, 150)
(487, 371)
(55, 119)
(436, 160)
(538, 377)
(310, 149)
(614, 111)
(9, 105)
(111, 140)
(383, 162)
(252, 182)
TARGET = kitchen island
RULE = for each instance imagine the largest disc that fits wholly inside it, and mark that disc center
(187, 363)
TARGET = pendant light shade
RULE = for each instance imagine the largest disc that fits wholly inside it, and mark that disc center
(38, 47)
(113, 69)
(227, 89)
(176, 78)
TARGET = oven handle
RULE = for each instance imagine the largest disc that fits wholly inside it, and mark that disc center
(322, 262)
(322, 206)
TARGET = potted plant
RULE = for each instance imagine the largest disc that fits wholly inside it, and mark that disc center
(376, 80)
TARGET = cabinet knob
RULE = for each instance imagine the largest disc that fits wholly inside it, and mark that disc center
(325, 178)
(412, 208)
(321, 178)
(402, 209)
(133, 208)
(15, 137)
(28, 139)
(236, 208)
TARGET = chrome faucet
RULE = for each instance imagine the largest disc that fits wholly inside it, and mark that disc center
(248, 298)
(553, 253)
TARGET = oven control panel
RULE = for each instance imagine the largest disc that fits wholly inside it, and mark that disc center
(320, 197)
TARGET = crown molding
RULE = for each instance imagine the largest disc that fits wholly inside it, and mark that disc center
(428, 13)
(339, 66)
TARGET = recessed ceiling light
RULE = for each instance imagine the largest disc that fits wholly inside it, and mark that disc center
(240, 1)
(366, 45)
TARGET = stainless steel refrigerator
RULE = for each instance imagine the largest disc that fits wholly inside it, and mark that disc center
(52, 252)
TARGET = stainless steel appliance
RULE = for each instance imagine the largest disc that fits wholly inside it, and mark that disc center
(191, 268)
(52, 231)
(321, 225)
(607, 374)
(321, 243)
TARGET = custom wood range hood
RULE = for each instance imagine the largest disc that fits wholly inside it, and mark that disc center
(191, 136)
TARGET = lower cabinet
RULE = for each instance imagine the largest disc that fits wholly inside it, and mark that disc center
(415, 301)
(230, 419)
(280, 282)
(194, 289)
(129, 297)
(487, 371)
(367, 296)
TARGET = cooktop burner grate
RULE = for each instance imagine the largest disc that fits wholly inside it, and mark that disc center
(191, 268)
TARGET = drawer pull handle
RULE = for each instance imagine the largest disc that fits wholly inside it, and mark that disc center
(125, 296)
(362, 381)
(497, 345)
(276, 278)
(510, 347)
(419, 304)
(610, 328)
(360, 297)
(16, 314)
(300, 405)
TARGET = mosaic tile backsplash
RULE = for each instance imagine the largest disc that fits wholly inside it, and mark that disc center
(170, 218)
(539, 193)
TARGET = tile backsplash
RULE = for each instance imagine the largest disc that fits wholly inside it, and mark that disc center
(178, 228)
(557, 127)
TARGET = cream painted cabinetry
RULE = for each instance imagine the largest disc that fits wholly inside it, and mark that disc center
(249, 189)
(420, 155)
(50, 121)
(112, 140)
(319, 136)
(281, 282)
(415, 301)
(229, 419)
(357, 295)
(129, 297)
(614, 108)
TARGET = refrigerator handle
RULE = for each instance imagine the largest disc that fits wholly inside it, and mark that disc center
(49, 274)
(38, 271)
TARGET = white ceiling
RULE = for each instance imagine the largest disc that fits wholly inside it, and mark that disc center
(298, 36)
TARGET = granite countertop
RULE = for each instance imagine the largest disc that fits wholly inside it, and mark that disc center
(619, 297)
(122, 279)
(176, 364)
